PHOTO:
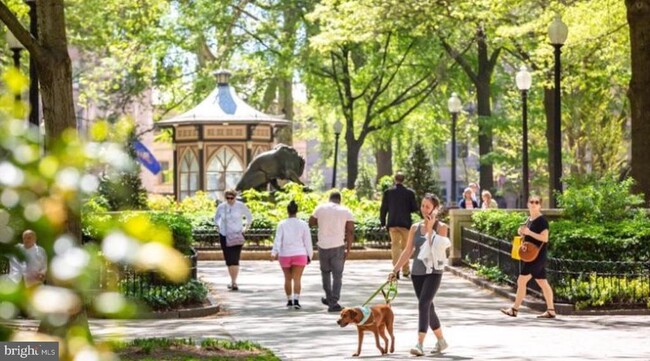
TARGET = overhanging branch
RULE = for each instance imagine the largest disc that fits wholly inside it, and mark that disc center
(25, 38)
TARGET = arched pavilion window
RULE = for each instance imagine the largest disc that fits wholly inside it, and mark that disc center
(189, 175)
(224, 171)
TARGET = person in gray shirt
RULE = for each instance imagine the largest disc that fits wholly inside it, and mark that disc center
(425, 284)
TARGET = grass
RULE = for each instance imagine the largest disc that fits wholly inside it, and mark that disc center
(181, 349)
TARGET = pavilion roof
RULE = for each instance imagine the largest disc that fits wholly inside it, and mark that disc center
(223, 105)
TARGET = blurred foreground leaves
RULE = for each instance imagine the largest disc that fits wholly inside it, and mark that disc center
(43, 190)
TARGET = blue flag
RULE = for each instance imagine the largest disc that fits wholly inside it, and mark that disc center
(146, 158)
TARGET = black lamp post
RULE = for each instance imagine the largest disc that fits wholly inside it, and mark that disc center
(33, 74)
(454, 106)
(557, 32)
(16, 47)
(524, 81)
(338, 127)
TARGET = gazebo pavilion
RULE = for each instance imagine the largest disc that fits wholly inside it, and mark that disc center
(214, 142)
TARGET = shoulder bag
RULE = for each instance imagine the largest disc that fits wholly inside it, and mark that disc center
(528, 251)
(234, 239)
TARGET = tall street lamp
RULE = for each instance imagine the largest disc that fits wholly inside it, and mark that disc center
(338, 127)
(454, 106)
(557, 33)
(524, 81)
(16, 47)
(34, 103)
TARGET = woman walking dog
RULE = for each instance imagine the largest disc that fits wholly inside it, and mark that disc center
(293, 246)
(428, 241)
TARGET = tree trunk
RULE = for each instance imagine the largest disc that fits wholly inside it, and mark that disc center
(485, 133)
(354, 147)
(384, 159)
(285, 135)
(549, 104)
(55, 74)
(483, 98)
(638, 17)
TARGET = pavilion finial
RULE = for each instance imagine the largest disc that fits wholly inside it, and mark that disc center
(223, 76)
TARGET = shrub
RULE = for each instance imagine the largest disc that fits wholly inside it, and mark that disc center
(201, 221)
(94, 219)
(384, 183)
(498, 223)
(592, 198)
(597, 291)
(168, 296)
(363, 185)
(492, 274)
(200, 202)
(157, 202)
(179, 225)
(626, 240)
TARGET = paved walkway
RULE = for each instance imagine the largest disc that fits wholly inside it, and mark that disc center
(473, 326)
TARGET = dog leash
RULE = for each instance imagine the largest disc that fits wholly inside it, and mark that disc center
(389, 295)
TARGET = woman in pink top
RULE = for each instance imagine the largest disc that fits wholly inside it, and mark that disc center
(293, 248)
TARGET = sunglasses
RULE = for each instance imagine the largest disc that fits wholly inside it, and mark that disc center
(230, 198)
(533, 202)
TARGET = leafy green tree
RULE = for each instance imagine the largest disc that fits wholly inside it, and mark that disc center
(375, 74)
(419, 172)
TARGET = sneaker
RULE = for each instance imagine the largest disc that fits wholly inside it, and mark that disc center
(417, 350)
(289, 304)
(296, 305)
(440, 346)
(323, 300)
(334, 308)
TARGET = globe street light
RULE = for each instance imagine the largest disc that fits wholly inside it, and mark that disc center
(524, 81)
(557, 33)
(454, 106)
(338, 127)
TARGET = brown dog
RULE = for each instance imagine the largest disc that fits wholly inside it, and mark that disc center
(378, 318)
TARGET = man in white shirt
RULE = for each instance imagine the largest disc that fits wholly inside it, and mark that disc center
(33, 269)
(335, 235)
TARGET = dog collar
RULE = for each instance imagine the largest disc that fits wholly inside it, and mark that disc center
(365, 310)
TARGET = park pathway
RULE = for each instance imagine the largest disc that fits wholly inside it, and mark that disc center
(473, 325)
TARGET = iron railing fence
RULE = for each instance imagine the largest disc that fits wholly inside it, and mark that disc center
(136, 284)
(127, 279)
(261, 239)
(593, 283)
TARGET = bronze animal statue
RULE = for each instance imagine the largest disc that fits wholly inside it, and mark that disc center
(280, 163)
